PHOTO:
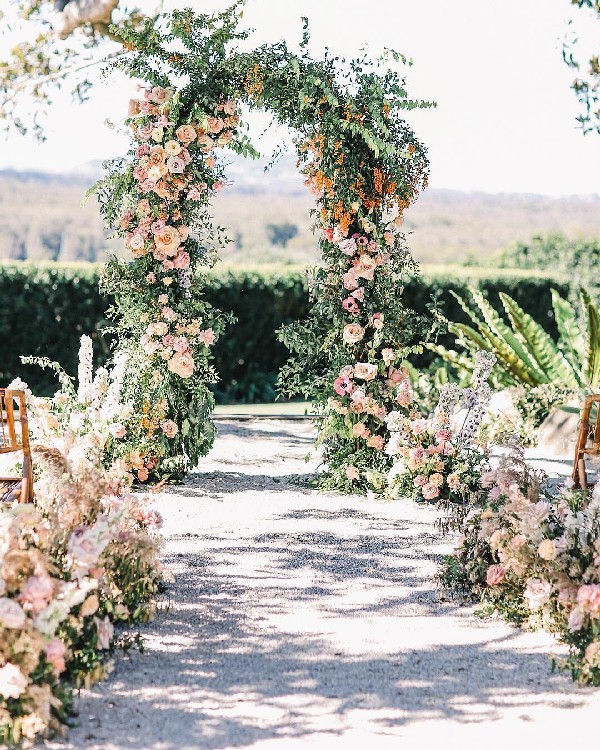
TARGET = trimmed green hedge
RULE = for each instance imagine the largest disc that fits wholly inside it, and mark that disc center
(45, 308)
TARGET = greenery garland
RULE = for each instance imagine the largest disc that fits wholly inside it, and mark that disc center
(363, 164)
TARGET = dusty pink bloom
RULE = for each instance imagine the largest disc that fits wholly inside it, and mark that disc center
(588, 598)
(37, 592)
(206, 143)
(169, 428)
(186, 134)
(181, 260)
(117, 430)
(360, 430)
(55, 655)
(364, 267)
(576, 619)
(207, 337)
(495, 575)
(352, 473)
(181, 344)
(348, 247)
(420, 480)
(350, 280)
(353, 333)
(377, 321)
(430, 491)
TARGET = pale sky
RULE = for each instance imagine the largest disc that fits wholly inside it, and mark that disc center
(505, 120)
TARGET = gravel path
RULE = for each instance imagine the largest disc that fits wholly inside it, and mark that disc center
(298, 619)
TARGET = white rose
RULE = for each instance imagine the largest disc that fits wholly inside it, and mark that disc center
(537, 592)
(11, 614)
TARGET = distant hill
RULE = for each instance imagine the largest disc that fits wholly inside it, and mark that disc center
(43, 219)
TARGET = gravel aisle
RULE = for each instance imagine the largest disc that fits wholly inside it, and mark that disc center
(298, 619)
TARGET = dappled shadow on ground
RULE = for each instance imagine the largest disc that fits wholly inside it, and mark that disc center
(292, 435)
(222, 673)
(215, 483)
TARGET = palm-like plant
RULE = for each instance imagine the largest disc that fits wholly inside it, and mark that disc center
(526, 354)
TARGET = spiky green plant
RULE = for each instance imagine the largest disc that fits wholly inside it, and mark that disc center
(526, 354)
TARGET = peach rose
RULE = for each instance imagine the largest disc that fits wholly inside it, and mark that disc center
(186, 134)
(167, 241)
(547, 550)
(157, 155)
(182, 364)
(134, 107)
(364, 268)
(206, 143)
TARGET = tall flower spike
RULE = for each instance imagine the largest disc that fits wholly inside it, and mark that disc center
(85, 370)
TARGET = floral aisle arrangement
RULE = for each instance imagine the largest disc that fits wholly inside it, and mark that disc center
(363, 164)
(440, 457)
(72, 565)
(534, 557)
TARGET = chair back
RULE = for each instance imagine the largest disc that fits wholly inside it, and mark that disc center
(588, 440)
(14, 435)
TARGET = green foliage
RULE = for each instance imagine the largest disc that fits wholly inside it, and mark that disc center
(586, 85)
(580, 258)
(526, 353)
(47, 307)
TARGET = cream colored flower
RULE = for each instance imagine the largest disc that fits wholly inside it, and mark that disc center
(353, 333)
(182, 364)
(167, 241)
(547, 550)
(365, 371)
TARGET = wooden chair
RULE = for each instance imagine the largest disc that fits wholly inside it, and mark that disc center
(14, 437)
(588, 441)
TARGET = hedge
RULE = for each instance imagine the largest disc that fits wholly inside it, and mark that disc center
(45, 308)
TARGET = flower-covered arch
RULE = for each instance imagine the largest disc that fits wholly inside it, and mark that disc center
(364, 165)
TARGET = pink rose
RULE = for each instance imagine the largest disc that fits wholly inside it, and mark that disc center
(430, 491)
(352, 473)
(182, 260)
(351, 305)
(360, 430)
(169, 428)
(350, 280)
(55, 655)
(364, 267)
(376, 441)
(37, 592)
(348, 247)
(206, 143)
(181, 344)
(117, 430)
(207, 337)
(495, 575)
(377, 321)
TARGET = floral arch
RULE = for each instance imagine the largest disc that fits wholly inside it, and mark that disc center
(364, 165)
